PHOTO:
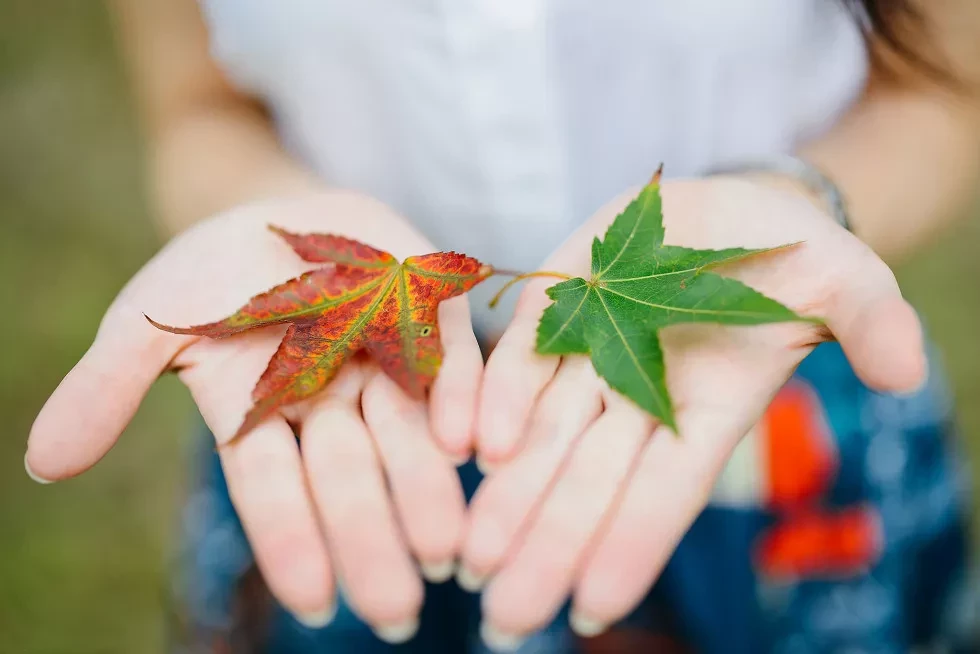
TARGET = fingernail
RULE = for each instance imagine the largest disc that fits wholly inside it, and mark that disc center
(438, 573)
(317, 619)
(915, 390)
(469, 581)
(585, 626)
(485, 467)
(35, 476)
(398, 633)
(499, 641)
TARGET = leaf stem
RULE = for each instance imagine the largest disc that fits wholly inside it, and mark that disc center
(519, 277)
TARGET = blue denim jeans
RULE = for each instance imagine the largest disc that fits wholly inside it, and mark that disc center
(859, 544)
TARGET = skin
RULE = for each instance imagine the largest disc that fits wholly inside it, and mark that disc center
(319, 514)
(587, 497)
(312, 511)
(593, 496)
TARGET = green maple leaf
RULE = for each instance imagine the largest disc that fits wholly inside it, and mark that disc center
(638, 287)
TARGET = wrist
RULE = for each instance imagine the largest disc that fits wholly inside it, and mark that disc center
(797, 176)
(788, 184)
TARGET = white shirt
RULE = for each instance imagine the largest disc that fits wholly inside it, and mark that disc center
(498, 126)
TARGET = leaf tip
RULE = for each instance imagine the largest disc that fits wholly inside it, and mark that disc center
(254, 416)
(161, 326)
(230, 442)
(286, 235)
(655, 180)
(213, 330)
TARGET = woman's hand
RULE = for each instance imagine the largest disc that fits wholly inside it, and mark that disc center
(587, 494)
(361, 431)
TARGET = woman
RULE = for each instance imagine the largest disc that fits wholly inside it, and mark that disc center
(497, 129)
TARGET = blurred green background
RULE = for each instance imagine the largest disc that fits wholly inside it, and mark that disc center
(82, 563)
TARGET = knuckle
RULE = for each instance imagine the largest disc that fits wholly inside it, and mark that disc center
(387, 407)
(703, 470)
(346, 495)
(283, 548)
(335, 455)
(258, 475)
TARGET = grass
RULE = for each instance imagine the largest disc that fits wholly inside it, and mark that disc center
(82, 564)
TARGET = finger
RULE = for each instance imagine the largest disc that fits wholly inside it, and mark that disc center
(88, 411)
(378, 576)
(424, 484)
(454, 393)
(265, 477)
(505, 502)
(879, 332)
(667, 491)
(515, 375)
(531, 588)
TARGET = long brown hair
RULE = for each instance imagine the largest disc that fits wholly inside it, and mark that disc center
(899, 38)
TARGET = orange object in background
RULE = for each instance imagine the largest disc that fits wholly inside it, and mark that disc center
(821, 543)
(809, 540)
(800, 452)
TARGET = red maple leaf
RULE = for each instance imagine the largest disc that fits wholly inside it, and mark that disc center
(363, 299)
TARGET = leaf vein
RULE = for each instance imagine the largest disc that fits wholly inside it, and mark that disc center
(565, 324)
(632, 355)
(719, 312)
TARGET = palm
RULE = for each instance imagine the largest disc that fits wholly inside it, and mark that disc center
(591, 496)
(360, 437)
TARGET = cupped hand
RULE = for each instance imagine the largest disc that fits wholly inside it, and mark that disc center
(313, 510)
(587, 494)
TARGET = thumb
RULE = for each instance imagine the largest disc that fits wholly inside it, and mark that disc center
(92, 405)
(881, 335)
